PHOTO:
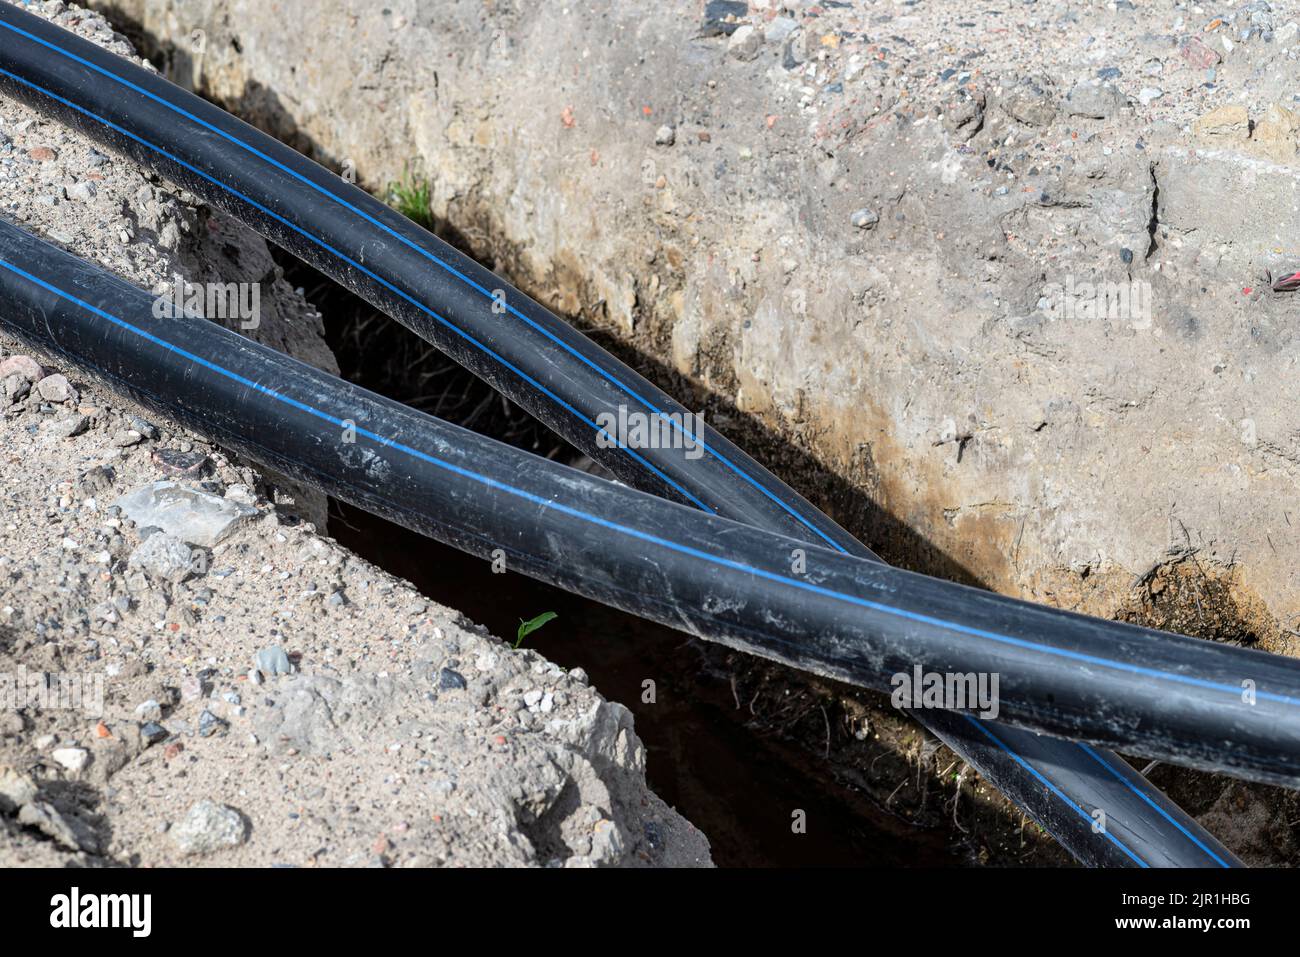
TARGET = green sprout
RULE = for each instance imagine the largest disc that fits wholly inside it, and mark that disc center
(412, 196)
(526, 628)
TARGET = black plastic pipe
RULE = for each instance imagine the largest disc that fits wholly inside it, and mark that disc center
(1160, 695)
(1053, 790)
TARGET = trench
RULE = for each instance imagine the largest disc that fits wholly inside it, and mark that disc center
(737, 744)
(723, 758)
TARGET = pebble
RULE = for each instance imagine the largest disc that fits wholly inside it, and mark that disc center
(163, 557)
(144, 427)
(864, 218)
(449, 680)
(151, 732)
(16, 789)
(665, 136)
(73, 760)
(149, 711)
(56, 388)
(208, 827)
(1198, 54)
(1096, 101)
(273, 661)
(191, 688)
(71, 426)
(82, 192)
(210, 724)
(16, 387)
(180, 464)
(745, 43)
(25, 366)
(1149, 95)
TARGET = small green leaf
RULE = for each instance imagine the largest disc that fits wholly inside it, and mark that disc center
(412, 196)
(531, 625)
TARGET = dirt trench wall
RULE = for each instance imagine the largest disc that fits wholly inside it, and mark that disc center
(884, 235)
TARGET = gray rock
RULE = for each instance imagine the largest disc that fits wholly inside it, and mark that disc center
(449, 680)
(16, 387)
(25, 366)
(149, 711)
(151, 732)
(1096, 101)
(144, 427)
(208, 827)
(73, 760)
(73, 425)
(745, 43)
(665, 136)
(210, 724)
(1032, 101)
(56, 388)
(273, 661)
(16, 789)
(864, 218)
(82, 192)
(163, 557)
(189, 514)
